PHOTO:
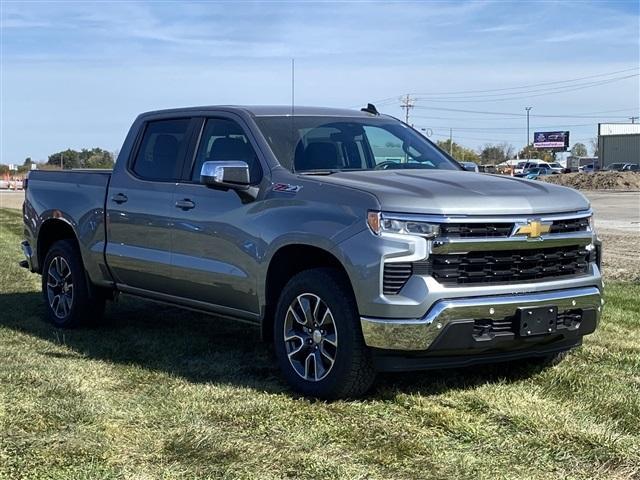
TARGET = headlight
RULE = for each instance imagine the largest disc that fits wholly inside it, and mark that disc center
(380, 223)
(592, 223)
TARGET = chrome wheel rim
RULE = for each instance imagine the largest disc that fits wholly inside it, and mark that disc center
(59, 287)
(310, 337)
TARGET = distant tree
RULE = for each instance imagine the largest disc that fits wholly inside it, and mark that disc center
(68, 159)
(28, 162)
(494, 154)
(459, 152)
(529, 152)
(594, 146)
(4, 170)
(579, 150)
(85, 158)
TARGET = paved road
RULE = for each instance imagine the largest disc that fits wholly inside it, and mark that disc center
(616, 210)
(613, 210)
(10, 199)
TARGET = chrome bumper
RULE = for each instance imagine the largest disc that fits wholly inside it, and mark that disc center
(419, 334)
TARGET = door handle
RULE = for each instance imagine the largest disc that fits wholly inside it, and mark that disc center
(119, 198)
(185, 204)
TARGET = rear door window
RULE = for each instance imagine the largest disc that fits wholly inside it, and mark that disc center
(162, 150)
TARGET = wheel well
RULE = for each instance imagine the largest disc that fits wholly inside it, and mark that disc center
(287, 262)
(50, 232)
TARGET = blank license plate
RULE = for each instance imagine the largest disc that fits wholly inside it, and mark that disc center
(537, 320)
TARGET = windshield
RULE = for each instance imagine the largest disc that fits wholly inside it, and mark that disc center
(315, 143)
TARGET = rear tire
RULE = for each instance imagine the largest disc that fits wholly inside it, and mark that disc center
(318, 339)
(65, 288)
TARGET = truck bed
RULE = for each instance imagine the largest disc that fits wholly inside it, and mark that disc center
(78, 198)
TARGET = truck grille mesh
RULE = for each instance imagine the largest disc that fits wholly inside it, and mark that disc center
(475, 230)
(509, 266)
(503, 230)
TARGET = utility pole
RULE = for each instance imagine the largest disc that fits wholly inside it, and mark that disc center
(527, 109)
(406, 103)
(61, 162)
(451, 142)
(633, 119)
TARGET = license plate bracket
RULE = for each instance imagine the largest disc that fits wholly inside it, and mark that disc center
(537, 320)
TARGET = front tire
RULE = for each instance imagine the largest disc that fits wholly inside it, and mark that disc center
(65, 287)
(317, 337)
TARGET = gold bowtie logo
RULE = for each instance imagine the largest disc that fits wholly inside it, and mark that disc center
(533, 229)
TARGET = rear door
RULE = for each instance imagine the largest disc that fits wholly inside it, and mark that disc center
(140, 206)
(214, 252)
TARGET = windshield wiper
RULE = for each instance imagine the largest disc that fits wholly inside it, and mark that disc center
(317, 172)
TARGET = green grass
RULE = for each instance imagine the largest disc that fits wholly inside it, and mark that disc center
(156, 392)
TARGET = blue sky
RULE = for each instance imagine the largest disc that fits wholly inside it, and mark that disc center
(76, 74)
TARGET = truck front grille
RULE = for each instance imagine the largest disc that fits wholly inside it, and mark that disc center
(503, 230)
(509, 266)
(569, 226)
(489, 265)
(476, 230)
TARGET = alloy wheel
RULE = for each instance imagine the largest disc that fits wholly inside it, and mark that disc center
(310, 337)
(60, 287)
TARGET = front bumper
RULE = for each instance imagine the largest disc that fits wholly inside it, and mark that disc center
(28, 253)
(449, 324)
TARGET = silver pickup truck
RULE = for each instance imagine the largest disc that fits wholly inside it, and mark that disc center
(354, 243)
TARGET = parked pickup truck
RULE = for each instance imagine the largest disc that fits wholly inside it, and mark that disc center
(352, 241)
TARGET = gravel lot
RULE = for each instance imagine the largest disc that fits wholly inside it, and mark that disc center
(617, 219)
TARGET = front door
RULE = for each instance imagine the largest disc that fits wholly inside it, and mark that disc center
(215, 252)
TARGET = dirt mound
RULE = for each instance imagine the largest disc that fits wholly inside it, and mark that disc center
(597, 181)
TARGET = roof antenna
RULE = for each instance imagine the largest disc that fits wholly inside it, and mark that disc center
(370, 108)
(293, 128)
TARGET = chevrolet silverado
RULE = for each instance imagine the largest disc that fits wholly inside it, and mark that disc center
(352, 241)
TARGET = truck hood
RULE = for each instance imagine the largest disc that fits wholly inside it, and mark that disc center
(459, 192)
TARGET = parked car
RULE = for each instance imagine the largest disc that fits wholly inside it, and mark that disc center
(615, 167)
(470, 166)
(589, 168)
(631, 167)
(534, 173)
(348, 263)
(488, 168)
(519, 168)
(555, 167)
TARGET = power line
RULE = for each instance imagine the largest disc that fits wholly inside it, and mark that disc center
(522, 95)
(519, 129)
(515, 114)
(532, 85)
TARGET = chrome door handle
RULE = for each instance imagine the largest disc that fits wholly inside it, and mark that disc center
(185, 204)
(119, 198)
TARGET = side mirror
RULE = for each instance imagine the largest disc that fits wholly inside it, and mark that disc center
(231, 174)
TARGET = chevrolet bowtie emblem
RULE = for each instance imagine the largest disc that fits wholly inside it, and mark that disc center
(533, 229)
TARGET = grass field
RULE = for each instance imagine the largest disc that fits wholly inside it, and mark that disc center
(155, 392)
